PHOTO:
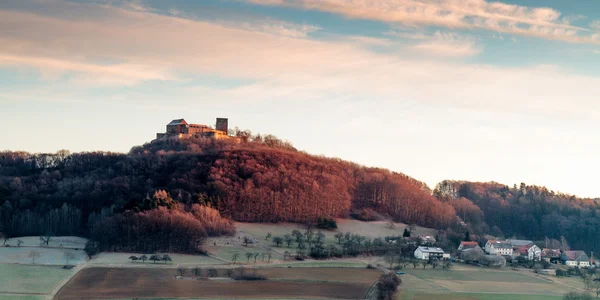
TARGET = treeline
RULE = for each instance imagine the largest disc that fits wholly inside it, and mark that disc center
(523, 211)
(260, 179)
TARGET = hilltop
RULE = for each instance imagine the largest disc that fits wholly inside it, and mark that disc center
(254, 178)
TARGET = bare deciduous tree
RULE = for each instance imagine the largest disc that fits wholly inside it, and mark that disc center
(69, 256)
(34, 255)
(234, 257)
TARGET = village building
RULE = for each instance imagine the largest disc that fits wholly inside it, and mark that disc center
(470, 251)
(551, 255)
(529, 252)
(428, 253)
(496, 247)
(575, 259)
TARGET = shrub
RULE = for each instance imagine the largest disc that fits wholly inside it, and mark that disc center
(365, 214)
(387, 285)
(249, 277)
(326, 223)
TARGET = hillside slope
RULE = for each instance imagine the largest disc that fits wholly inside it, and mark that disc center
(258, 180)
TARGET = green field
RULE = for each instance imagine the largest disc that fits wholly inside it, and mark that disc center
(473, 275)
(474, 296)
(22, 297)
(30, 279)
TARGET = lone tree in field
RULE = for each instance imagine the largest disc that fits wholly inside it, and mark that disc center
(182, 271)
(288, 239)
(248, 256)
(133, 258)
(390, 259)
(165, 258)
(268, 236)
(277, 240)
(19, 243)
(391, 225)
(255, 256)
(154, 258)
(45, 240)
(33, 255)
(69, 256)
(247, 241)
(406, 233)
(234, 257)
(143, 258)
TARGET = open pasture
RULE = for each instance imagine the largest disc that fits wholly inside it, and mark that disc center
(369, 229)
(480, 274)
(71, 242)
(472, 296)
(121, 259)
(472, 283)
(47, 256)
(21, 279)
(113, 283)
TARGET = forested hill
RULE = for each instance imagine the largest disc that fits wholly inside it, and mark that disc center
(261, 179)
(264, 179)
(532, 212)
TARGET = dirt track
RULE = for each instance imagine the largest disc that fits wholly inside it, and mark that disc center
(106, 283)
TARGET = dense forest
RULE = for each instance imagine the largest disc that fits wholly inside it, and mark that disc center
(523, 211)
(260, 179)
(205, 183)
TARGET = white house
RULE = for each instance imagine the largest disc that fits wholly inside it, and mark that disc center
(427, 253)
(496, 247)
(531, 252)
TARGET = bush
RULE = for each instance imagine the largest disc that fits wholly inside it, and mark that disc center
(365, 214)
(577, 296)
(249, 277)
(387, 285)
(326, 223)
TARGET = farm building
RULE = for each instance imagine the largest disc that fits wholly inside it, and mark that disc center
(551, 255)
(575, 259)
(427, 253)
(496, 247)
(530, 252)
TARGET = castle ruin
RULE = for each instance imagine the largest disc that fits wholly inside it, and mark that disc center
(180, 128)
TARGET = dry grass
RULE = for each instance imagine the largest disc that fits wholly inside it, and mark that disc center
(114, 283)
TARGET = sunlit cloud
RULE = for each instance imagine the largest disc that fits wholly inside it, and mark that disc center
(542, 22)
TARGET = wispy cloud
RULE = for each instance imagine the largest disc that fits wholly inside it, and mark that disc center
(144, 46)
(449, 44)
(540, 22)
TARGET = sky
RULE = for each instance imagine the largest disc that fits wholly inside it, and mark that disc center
(436, 89)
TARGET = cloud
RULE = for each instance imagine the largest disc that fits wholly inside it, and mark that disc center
(103, 44)
(542, 22)
(595, 25)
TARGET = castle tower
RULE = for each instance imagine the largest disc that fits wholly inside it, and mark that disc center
(222, 124)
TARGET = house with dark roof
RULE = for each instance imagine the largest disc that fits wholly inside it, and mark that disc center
(470, 251)
(575, 259)
(551, 255)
